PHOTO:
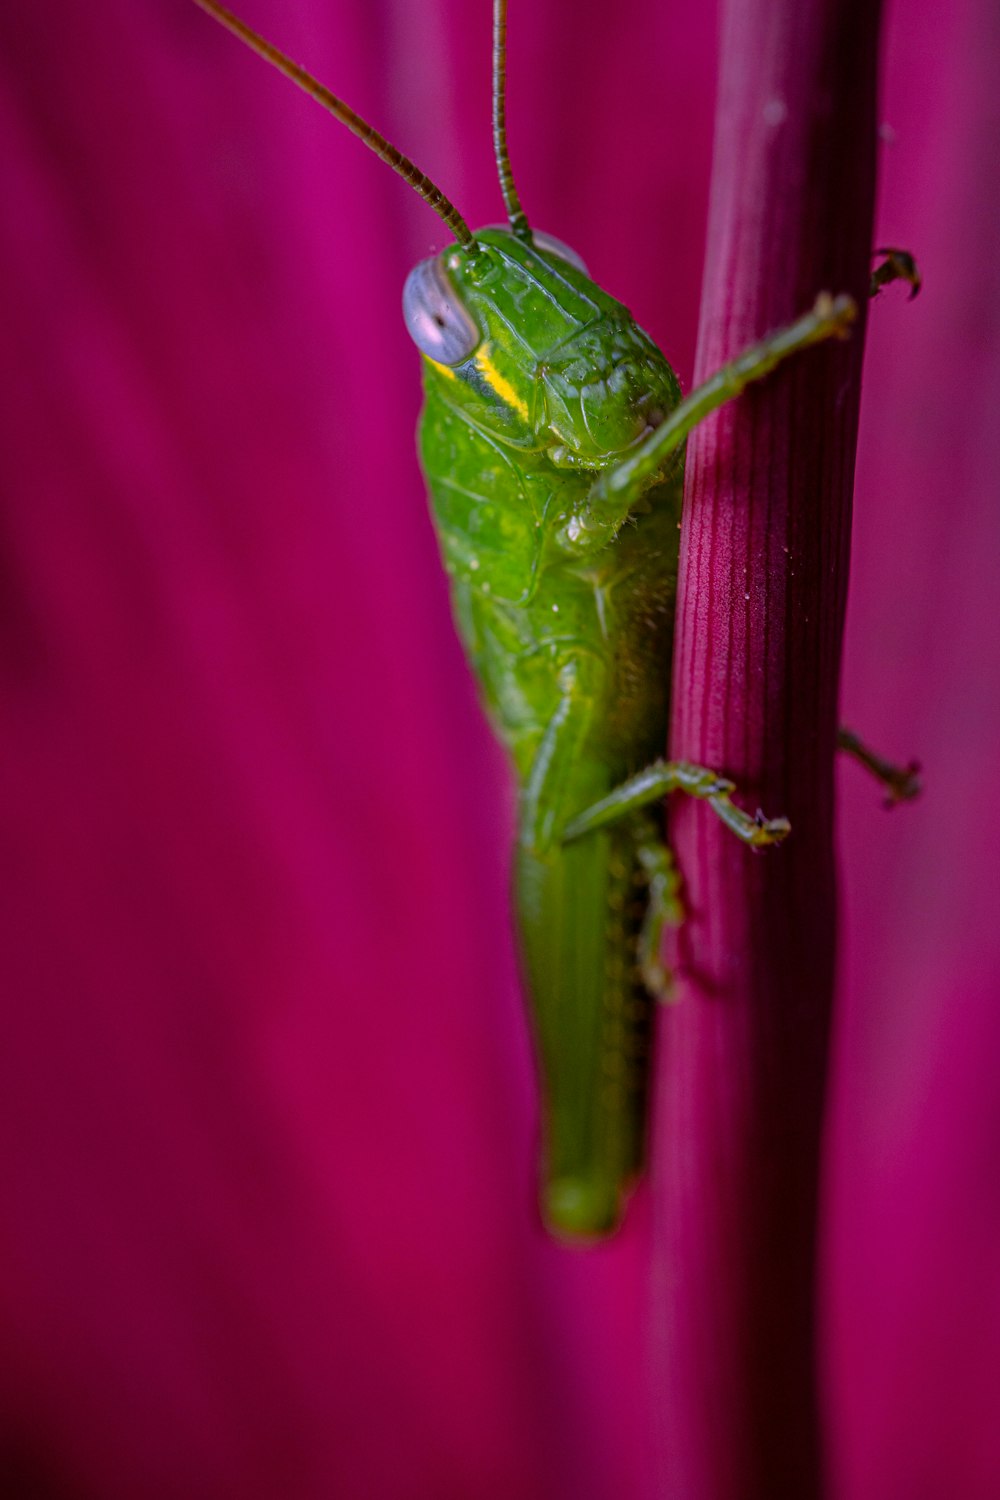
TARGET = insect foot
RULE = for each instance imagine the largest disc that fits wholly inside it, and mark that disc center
(898, 265)
(902, 783)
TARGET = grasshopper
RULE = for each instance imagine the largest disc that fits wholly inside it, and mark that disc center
(552, 443)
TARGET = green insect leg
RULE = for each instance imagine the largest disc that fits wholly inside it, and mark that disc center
(902, 783)
(616, 490)
(664, 908)
(665, 776)
(550, 785)
(591, 1020)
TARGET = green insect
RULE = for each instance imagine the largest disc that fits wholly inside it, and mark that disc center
(552, 441)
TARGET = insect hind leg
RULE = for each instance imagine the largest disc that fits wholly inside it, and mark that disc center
(664, 907)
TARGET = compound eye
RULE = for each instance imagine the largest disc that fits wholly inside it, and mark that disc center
(558, 247)
(435, 315)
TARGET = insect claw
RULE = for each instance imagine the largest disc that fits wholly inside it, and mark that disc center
(769, 830)
(899, 265)
(904, 784)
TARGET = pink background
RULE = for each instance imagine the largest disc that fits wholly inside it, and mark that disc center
(266, 1097)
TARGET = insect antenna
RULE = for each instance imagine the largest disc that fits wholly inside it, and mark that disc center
(418, 180)
(518, 222)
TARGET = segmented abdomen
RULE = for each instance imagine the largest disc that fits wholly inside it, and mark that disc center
(579, 908)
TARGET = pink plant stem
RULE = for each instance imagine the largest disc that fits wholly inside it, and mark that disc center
(763, 582)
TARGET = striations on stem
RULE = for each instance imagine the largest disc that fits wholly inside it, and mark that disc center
(763, 576)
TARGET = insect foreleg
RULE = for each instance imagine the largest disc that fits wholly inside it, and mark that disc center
(665, 776)
(898, 265)
(902, 783)
(616, 490)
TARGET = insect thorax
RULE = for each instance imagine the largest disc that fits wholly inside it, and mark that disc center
(528, 612)
(509, 454)
(562, 385)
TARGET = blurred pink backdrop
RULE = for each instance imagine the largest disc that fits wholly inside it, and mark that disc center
(266, 1096)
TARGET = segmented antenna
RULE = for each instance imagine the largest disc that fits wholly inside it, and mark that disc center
(515, 213)
(412, 174)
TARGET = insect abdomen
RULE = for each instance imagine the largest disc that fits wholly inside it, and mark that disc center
(579, 908)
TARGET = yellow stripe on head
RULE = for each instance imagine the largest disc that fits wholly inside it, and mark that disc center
(499, 383)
